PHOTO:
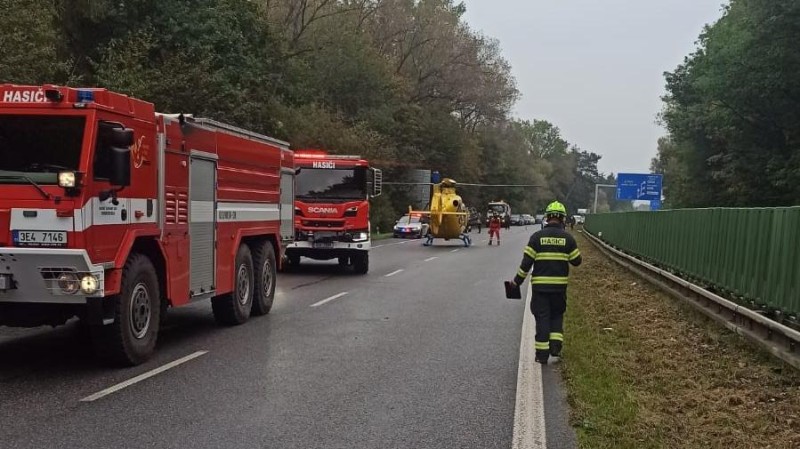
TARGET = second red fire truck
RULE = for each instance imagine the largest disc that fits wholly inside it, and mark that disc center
(112, 212)
(332, 209)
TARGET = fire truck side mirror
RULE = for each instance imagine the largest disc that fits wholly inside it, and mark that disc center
(122, 139)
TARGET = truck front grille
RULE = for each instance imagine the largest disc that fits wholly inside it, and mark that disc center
(323, 224)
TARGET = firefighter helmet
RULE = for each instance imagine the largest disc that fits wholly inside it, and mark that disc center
(557, 209)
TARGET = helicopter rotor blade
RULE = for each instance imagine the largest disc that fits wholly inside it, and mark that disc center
(461, 184)
(498, 185)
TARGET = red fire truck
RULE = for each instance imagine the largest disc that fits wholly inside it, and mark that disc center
(332, 208)
(112, 212)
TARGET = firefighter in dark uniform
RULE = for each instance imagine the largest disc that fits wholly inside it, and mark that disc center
(550, 253)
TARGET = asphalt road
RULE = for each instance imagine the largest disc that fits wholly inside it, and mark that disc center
(426, 357)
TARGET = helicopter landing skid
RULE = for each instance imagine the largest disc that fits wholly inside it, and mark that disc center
(463, 237)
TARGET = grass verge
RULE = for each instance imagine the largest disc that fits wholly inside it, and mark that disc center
(645, 371)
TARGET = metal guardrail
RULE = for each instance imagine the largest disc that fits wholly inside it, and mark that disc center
(779, 340)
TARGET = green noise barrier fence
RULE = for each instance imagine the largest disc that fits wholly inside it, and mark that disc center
(749, 255)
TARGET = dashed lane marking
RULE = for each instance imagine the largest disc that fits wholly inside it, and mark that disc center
(430, 259)
(394, 272)
(395, 243)
(141, 377)
(329, 299)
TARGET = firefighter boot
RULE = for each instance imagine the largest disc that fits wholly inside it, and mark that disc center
(556, 342)
(542, 352)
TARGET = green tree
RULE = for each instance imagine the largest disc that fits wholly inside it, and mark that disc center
(29, 43)
(732, 110)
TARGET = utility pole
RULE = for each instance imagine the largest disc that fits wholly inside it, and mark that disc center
(596, 190)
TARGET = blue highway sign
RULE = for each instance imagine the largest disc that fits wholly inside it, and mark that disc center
(639, 186)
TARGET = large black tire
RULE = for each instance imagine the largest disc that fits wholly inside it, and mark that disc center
(361, 262)
(265, 276)
(131, 338)
(234, 308)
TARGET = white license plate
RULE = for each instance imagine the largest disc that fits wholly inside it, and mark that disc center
(40, 238)
(323, 245)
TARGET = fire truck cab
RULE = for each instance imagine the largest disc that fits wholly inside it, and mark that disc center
(502, 209)
(332, 208)
(112, 213)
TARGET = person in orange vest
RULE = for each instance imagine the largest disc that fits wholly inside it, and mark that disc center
(494, 228)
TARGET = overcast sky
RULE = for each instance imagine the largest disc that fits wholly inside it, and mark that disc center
(595, 67)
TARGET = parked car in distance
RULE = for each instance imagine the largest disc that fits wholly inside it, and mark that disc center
(412, 226)
(539, 218)
(579, 219)
(516, 220)
(527, 219)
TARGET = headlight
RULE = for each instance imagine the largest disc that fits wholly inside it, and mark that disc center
(68, 283)
(88, 284)
(360, 236)
(66, 179)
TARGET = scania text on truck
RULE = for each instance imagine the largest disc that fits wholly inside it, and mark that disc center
(332, 208)
(112, 213)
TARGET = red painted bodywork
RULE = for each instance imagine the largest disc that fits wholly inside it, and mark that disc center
(308, 221)
(248, 170)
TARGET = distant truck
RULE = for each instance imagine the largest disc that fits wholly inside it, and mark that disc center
(331, 208)
(112, 212)
(503, 209)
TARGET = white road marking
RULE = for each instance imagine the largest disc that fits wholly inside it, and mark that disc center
(327, 300)
(430, 259)
(529, 428)
(395, 243)
(141, 377)
(394, 272)
(455, 250)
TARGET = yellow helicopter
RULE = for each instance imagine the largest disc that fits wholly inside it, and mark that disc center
(449, 217)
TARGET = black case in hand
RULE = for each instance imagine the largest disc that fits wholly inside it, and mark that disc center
(512, 290)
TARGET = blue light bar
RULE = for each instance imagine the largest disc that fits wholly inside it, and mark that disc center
(85, 96)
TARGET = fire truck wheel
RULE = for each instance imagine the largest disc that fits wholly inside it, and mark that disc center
(234, 308)
(361, 263)
(131, 339)
(264, 262)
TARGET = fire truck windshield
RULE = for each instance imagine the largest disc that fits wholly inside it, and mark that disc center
(36, 148)
(499, 208)
(332, 184)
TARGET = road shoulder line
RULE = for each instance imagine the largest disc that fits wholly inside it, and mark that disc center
(529, 426)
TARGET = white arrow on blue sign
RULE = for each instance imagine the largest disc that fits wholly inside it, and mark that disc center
(639, 186)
